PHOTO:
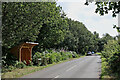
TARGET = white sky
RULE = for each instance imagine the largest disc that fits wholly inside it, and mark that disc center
(76, 10)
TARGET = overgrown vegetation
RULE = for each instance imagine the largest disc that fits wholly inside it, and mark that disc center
(52, 56)
(111, 60)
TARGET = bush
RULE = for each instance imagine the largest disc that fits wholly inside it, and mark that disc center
(69, 54)
(58, 57)
(9, 60)
(47, 56)
(44, 61)
(20, 65)
(114, 63)
(64, 56)
(75, 55)
(8, 69)
(37, 57)
(30, 63)
(98, 53)
(51, 56)
(111, 54)
(85, 54)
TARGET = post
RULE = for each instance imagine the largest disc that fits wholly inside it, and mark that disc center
(20, 54)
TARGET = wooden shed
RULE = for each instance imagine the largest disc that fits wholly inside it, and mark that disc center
(23, 52)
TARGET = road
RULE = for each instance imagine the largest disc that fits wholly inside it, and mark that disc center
(85, 67)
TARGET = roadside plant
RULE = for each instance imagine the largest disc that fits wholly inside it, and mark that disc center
(30, 63)
(111, 54)
(20, 65)
(37, 58)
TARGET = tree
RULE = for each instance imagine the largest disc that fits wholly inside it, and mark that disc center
(78, 38)
(105, 7)
(53, 31)
(24, 21)
(21, 22)
(101, 42)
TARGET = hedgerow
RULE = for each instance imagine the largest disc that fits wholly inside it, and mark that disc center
(111, 54)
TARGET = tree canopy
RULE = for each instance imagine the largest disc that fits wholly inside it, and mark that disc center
(47, 24)
(105, 7)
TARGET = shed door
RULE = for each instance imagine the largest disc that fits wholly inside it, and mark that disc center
(25, 55)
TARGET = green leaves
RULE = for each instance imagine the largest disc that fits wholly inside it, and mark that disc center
(46, 24)
(20, 23)
(52, 56)
(112, 55)
(104, 7)
(118, 28)
(78, 37)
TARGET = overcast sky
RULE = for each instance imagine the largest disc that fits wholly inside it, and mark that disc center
(76, 10)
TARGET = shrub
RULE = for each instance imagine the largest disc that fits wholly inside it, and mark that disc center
(85, 54)
(48, 57)
(20, 65)
(111, 54)
(63, 55)
(52, 58)
(98, 53)
(114, 63)
(75, 55)
(43, 61)
(69, 54)
(9, 60)
(8, 69)
(37, 57)
(30, 63)
(58, 57)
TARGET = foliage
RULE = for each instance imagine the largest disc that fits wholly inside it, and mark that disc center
(105, 7)
(24, 28)
(106, 37)
(77, 37)
(36, 22)
(7, 69)
(30, 63)
(111, 54)
(20, 65)
(52, 56)
(98, 53)
(75, 55)
(48, 25)
(36, 58)
(8, 62)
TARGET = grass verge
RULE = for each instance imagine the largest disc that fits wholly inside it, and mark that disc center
(29, 69)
